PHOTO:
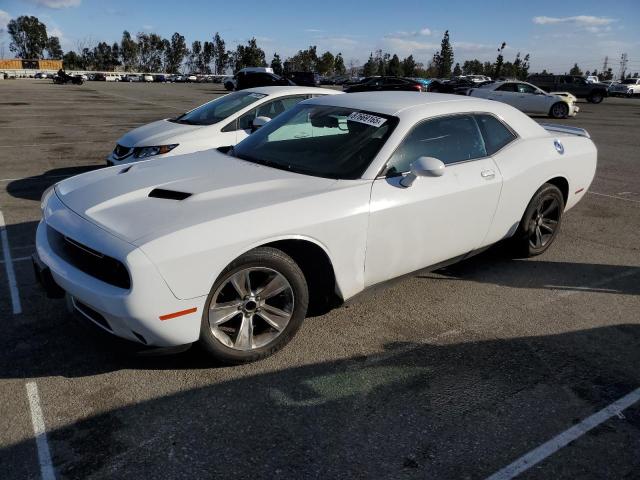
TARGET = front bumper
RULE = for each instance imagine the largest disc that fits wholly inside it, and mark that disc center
(133, 314)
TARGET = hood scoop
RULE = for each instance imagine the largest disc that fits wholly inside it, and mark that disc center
(168, 194)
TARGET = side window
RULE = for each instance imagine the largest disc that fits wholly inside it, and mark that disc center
(524, 88)
(507, 87)
(269, 109)
(450, 139)
(494, 132)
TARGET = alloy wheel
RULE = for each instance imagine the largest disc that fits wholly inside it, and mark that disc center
(251, 308)
(544, 222)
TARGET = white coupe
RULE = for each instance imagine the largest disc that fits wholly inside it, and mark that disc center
(338, 194)
(527, 98)
(222, 122)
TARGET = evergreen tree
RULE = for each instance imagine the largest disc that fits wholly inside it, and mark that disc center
(395, 67)
(276, 64)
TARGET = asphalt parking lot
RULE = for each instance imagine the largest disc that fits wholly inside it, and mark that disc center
(452, 374)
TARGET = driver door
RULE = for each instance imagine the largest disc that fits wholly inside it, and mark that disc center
(436, 218)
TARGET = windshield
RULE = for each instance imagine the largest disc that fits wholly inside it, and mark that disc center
(319, 140)
(219, 109)
(630, 81)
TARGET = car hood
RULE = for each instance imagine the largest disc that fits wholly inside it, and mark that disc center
(117, 199)
(162, 132)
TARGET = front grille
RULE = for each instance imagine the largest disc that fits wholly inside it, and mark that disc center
(121, 151)
(89, 261)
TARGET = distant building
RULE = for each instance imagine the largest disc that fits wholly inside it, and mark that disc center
(20, 64)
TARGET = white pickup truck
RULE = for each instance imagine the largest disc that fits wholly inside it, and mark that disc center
(628, 88)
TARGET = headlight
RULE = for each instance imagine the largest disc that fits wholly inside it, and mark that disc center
(46, 196)
(145, 152)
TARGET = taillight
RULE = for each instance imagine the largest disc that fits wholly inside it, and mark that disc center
(418, 87)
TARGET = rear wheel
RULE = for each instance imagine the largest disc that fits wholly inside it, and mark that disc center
(255, 307)
(595, 97)
(559, 110)
(540, 223)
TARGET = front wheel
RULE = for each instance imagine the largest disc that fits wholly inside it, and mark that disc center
(540, 223)
(559, 110)
(255, 307)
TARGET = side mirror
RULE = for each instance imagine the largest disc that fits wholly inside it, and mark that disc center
(259, 122)
(423, 167)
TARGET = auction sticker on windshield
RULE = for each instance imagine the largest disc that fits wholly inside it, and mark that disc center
(366, 119)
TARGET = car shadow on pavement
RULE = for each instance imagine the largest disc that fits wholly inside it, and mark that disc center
(414, 410)
(32, 188)
(495, 266)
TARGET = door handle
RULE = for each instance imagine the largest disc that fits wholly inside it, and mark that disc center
(487, 174)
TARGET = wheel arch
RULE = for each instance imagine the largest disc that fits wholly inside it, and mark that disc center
(563, 185)
(316, 264)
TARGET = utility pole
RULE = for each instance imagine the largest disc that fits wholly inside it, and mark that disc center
(606, 64)
(623, 65)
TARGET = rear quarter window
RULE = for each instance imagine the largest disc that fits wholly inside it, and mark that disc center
(495, 134)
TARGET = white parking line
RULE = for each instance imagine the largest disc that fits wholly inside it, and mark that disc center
(19, 259)
(547, 449)
(614, 196)
(40, 432)
(8, 266)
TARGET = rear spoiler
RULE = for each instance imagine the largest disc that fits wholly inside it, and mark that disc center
(552, 127)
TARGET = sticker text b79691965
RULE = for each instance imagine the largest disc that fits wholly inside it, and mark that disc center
(366, 119)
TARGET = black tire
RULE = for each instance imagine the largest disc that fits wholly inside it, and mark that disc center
(559, 110)
(538, 218)
(263, 257)
(229, 86)
(595, 97)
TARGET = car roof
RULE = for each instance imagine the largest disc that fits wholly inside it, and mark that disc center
(388, 103)
(292, 90)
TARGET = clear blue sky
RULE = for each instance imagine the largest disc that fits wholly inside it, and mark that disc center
(555, 33)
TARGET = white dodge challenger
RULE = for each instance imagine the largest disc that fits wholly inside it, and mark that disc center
(336, 195)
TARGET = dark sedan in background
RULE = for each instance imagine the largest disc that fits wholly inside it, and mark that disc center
(378, 84)
(459, 86)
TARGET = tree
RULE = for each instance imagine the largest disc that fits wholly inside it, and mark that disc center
(303, 61)
(72, 61)
(28, 37)
(207, 56)
(220, 55)
(249, 55)
(276, 64)
(473, 67)
(395, 67)
(194, 60)
(174, 53)
(370, 67)
(409, 66)
(326, 64)
(128, 51)
(150, 52)
(575, 70)
(497, 71)
(54, 50)
(443, 59)
(338, 65)
(457, 71)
